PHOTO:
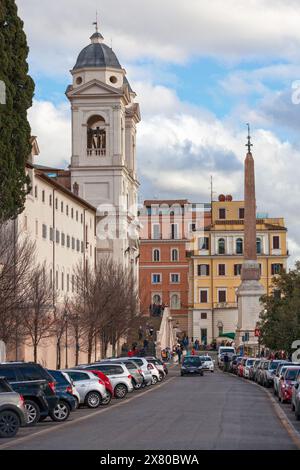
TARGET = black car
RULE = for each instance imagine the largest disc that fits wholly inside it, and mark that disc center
(191, 365)
(66, 401)
(35, 384)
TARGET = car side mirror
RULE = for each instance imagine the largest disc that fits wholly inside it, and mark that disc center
(297, 385)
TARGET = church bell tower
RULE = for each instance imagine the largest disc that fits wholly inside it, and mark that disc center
(103, 163)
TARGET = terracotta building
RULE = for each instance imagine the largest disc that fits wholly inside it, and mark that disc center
(166, 231)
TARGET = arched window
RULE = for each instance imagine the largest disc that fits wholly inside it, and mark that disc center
(156, 299)
(174, 254)
(175, 301)
(239, 246)
(156, 255)
(221, 246)
(96, 136)
(258, 246)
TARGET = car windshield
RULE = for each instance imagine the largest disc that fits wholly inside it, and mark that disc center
(192, 361)
(250, 362)
(291, 374)
(205, 358)
(226, 350)
(273, 365)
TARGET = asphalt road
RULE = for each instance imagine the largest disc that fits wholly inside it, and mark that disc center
(217, 411)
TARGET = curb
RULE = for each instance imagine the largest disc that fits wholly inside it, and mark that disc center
(286, 423)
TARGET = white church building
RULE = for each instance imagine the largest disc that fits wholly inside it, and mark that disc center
(103, 163)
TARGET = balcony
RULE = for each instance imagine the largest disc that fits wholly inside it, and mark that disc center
(96, 152)
(225, 305)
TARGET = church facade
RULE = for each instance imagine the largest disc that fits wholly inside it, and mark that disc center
(103, 164)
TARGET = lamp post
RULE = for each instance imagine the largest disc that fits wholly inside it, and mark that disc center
(66, 342)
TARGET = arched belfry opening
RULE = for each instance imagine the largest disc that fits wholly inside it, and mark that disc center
(96, 136)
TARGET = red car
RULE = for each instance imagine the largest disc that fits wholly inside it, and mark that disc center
(240, 368)
(105, 380)
(286, 384)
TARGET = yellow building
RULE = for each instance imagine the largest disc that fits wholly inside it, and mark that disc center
(216, 259)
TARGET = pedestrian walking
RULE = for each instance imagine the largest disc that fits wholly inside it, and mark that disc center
(179, 354)
(226, 362)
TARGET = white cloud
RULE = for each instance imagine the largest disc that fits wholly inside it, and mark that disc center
(170, 31)
(52, 126)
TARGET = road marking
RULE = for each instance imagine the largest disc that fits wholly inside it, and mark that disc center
(17, 440)
(283, 418)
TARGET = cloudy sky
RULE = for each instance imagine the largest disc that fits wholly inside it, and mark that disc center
(201, 72)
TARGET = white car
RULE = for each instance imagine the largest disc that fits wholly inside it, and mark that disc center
(91, 391)
(249, 362)
(207, 363)
(159, 366)
(150, 367)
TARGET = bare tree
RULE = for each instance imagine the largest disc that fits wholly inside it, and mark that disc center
(59, 325)
(39, 319)
(17, 254)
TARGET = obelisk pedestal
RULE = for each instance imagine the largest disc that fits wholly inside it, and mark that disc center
(250, 290)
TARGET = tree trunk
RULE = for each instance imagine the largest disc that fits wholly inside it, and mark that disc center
(58, 355)
(35, 353)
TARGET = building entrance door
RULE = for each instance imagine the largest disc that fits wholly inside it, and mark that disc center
(204, 336)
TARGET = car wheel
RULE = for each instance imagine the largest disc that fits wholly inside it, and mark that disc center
(201, 373)
(121, 391)
(61, 412)
(182, 374)
(93, 399)
(137, 386)
(33, 412)
(77, 402)
(161, 376)
(106, 401)
(9, 423)
(154, 380)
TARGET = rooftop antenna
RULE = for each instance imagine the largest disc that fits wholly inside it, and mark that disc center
(249, 145)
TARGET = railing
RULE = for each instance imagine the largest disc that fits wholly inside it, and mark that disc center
(96, 152)
(225, 305)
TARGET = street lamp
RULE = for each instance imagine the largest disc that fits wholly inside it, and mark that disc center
(66, 342)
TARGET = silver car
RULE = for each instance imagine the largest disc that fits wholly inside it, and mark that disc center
(91, 391)
(281, 368)
(118, 374)
(134, 370)
(12, 410)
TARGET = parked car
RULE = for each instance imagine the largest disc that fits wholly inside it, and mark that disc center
(118, 374)
(66, 401)
(234, 364)
(191, 365)
(159, 366)
(240, 368)
(287, 381)
(207, 363)
(91, 390)
(280, 370)
(35, 384)
(106, 382)
(296, 397)
(252, 369)
(12, 410)
(263, 365)
(133, 368)
(267, 374)
(247, 366)
(75, 393)
(147, 367)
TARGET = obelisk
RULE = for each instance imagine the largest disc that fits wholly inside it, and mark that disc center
(250, 290)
